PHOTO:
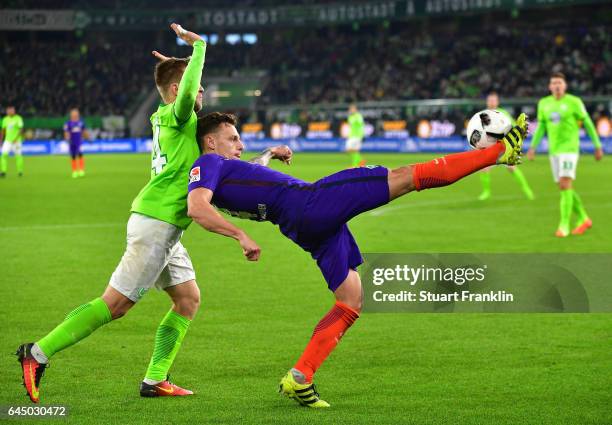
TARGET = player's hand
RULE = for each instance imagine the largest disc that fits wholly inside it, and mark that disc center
(599, 154)
(531, 154)
(282, 153)
(187, 36)
(249, 248)
(160, 57)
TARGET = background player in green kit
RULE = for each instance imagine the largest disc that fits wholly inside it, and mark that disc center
(485, 174)
(12, 135)
(559, 115)
(355, 139)
(154, 255)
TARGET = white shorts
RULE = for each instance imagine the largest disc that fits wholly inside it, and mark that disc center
(353, 144)
(564, 165)
(154, 256)
(7, 147)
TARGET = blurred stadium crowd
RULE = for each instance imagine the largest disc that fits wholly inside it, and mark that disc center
(106, 74)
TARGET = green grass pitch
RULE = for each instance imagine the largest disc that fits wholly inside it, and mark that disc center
(62, 238)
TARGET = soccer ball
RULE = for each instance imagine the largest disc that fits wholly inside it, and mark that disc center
(487, 127)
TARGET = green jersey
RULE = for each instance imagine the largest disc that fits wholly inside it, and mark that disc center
(175, 149)
(356, 124)
(560, 119)
(12, 126)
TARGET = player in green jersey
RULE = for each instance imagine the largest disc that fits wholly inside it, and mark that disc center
(560, 115)
(12, 135)
(355, 139)
(485, 174)
(154, 255)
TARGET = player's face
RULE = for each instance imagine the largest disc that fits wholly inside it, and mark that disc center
(557, 86)
(227, 142)
(74, 115)
(352, 109)
(10, 111)
(492, 101)
(199, 100)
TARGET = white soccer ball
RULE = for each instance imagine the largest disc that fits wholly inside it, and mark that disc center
(487, 127)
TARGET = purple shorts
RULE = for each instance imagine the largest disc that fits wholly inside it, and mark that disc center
(333, 202)
(75, 149)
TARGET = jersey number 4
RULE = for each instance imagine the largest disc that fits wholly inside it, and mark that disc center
(159, 159)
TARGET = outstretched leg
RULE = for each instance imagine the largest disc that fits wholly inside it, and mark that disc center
(442, 171)
(78, 324)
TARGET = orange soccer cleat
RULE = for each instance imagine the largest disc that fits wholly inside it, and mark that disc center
(32, 371)
(586, 224)
(163, 389)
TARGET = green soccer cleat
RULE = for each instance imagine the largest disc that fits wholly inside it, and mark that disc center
(305, 394)
(82, 173)
(75, 174)
(513, 142)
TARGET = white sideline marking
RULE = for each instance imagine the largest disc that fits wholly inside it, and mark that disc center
(60, 226)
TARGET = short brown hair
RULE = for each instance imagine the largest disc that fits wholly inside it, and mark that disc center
(209, 123)
(558, 75)
(169, 71)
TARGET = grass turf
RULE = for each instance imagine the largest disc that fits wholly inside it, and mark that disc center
(62, 238)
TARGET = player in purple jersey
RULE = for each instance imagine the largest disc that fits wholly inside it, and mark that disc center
(74, 133)
(314, 216)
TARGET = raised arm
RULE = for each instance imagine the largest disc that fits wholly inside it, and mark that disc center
(202, 212)
(190, 82)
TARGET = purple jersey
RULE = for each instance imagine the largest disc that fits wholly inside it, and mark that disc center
(252, 191)
(75, 130)
(313, 215)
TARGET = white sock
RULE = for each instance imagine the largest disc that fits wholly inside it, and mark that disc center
(38, 354)
(151, 381)
(299, 377)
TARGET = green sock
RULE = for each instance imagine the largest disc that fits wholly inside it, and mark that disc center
(522, 181)
(485, 179)
(3, 163)
(566, 201)
(356, 158)
(168, 338)
(579, 208)
(78, 324)
(19, 162)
